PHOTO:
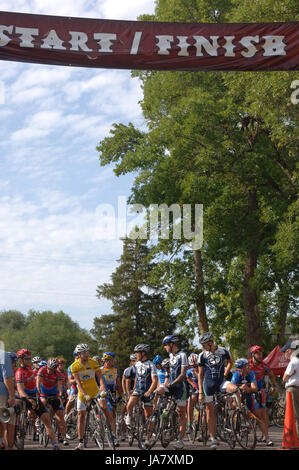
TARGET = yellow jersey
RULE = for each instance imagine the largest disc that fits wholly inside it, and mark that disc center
(86, 373)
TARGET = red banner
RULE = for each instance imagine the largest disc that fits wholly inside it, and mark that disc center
(148, 45)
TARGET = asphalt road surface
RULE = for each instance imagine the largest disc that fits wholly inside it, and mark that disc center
(275, 434)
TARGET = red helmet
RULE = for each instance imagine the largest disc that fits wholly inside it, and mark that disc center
(61, 361)
(23, 353)
(255, 349)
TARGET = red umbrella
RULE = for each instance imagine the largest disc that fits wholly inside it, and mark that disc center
(276, 361)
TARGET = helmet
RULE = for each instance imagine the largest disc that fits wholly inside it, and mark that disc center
(170, 339)
(165, 363)
(61, 361)
(96, 358)
(52, 363)
(81, 348)
(36, 359)
(255, 349)
(142, 348)
(13, 356)
(206, 337)
(23, 353)
(192, 359)
(108, 355)
(242, 362)
(42, 364)
(132, 357)
(157, 360)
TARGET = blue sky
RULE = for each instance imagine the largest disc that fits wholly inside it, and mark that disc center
(53, 251)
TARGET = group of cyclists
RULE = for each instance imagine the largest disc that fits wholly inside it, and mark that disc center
(49, 390)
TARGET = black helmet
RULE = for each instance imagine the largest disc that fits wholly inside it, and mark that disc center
(206, 337)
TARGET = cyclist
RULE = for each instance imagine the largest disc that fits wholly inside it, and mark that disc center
(113, 387)
(192, 379)
(85, 370)
(261, 369)
(214, 363)
(72, 388)
(160, 371)
(26, 388)
(146, 382)
(128, 379)
(177, 384)
(35, 362)
(7, 399)
(60, 369)
(244, 379)
(49, 384)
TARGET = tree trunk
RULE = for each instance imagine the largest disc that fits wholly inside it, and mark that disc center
(283, 306)
(200, 300)
(251, 309)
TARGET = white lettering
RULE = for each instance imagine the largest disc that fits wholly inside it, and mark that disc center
(164, 44)
(105, 41)
(27, 36)
(136, 42)
(183, 45)
(79, 41)
(202, 42)
(52, 41)
(4, 39)
(229, 46)
(247, 42)
(274, 45)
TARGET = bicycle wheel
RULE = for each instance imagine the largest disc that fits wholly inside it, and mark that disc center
(109, 437)
(169, 428)
(243, 429)
(203, 425)
(88, 432)
(278, 415)
(150, 431)
(71, 425)
(20, 430)
(99, 430)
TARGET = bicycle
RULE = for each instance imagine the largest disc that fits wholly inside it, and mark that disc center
(21, 424)
(97, 426)
(137, 422)
(71, 424)
(170, 423)
(223, 415)
(243, 423)
(200, 426)
(152, 427)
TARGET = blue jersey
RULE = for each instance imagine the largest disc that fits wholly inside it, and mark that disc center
(144, 372)
(73, 389)
(239, 379)
(214, 364)
(162, 374)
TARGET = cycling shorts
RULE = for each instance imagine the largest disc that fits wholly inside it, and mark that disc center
(210, 387)
(180, 393)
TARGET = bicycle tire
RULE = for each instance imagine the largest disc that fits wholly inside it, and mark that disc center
(99, 431)
(20, 430)
(278, 415)
(169, 428)
(71, 425)
(243, 429)
(203, 425)
(150, 432)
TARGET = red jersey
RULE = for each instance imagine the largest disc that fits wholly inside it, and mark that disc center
(49, 381)
(26, 376)
(260, 369)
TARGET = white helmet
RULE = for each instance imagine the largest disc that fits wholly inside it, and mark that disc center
(193, 359)
(81, 348)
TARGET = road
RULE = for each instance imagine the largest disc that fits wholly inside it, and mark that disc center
(275, 434)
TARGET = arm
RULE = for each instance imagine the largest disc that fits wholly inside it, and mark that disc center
(200, 383)
(38, 383)
(79, 384)
(9, 383)
(230, 363)
(153, 385)
(101, 380)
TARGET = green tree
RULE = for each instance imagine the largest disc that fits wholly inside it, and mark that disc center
(212, 138)
(45, 333)
(139, 311)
